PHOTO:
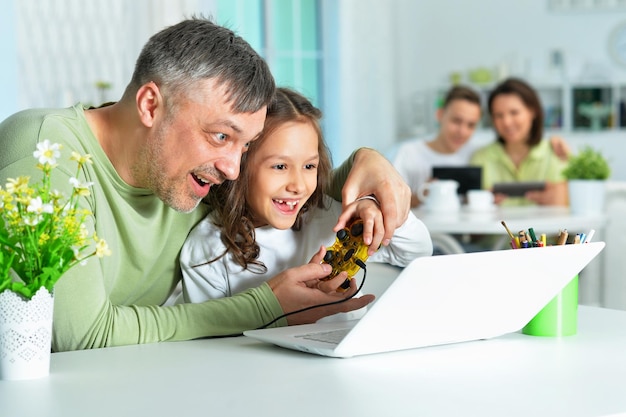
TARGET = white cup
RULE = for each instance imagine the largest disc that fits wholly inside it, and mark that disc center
(480, 200)
(440, 195)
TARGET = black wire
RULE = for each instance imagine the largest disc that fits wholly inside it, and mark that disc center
(359, 263)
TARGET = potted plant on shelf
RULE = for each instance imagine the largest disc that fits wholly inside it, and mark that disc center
(587, 173)
(42, 235)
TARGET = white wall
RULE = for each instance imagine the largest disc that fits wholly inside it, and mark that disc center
(378, 54)
(67, 45)
(438, 37)
(8, 52)
(389, 51)
(359, 62)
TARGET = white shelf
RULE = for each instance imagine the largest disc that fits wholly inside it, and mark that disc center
(561, 102)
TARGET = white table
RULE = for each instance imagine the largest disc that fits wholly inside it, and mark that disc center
(514, 375)
(543, 219)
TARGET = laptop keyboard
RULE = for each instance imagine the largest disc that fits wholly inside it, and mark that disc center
(332, 336)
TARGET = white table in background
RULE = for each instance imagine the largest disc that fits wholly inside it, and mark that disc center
(514, 375)
(543, 219)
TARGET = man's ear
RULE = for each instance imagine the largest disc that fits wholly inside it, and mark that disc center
(439, 114)
(148, 100)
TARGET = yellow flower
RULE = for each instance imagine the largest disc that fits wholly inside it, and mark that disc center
(81, 159)
(17, 185)
(43, 238)
(5, 198)
(102, 248)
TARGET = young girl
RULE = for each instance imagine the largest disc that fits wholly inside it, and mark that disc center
(276, 215)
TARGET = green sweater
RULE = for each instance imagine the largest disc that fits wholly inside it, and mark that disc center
(116, 300)
(541, 164)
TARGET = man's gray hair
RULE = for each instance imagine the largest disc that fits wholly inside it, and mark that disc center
(196, 49)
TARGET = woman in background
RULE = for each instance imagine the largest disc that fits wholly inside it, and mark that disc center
(519, 152)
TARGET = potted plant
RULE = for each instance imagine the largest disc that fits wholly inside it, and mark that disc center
(587, 173)
(42, 235)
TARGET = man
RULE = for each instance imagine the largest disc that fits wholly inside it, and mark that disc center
(197, 97)
(458, 118)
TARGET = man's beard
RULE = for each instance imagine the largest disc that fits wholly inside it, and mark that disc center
(171, 193)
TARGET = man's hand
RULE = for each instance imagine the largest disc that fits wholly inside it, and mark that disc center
(373, 223)
(372, 174)
(300, 287)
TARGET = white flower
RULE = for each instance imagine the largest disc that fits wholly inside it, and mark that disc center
(36, 206)
(80, 188)
(33, 221)
(80, 185)
(47, 153)
(83, 232)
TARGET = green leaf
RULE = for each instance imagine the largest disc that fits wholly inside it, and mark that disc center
(588, 164)
(20, 288)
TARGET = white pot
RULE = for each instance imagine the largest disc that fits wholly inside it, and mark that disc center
(587, 196)
(25, 335)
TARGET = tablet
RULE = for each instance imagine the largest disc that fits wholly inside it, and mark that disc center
(518, 189)
(468, 177)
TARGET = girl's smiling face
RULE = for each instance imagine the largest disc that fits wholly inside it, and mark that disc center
(282, 174)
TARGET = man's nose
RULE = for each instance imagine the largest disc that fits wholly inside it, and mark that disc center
(229, 165)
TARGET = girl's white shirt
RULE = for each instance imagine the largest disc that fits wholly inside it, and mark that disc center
(280, 250)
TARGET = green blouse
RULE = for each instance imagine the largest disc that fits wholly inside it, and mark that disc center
(541, 164)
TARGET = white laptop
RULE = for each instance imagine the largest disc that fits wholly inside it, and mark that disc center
(446, 299)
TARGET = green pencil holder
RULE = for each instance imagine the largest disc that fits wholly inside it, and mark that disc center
(559, 317)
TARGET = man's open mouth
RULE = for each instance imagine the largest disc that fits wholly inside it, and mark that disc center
(200, 181)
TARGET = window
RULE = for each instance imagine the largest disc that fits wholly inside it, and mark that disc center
(286, 33)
